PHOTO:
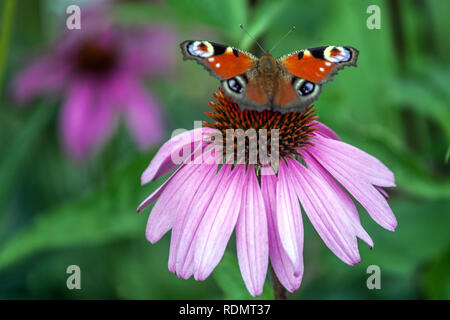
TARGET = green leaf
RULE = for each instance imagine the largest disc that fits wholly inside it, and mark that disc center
(140, 13)
(21, 148)
(229, 279)
(421, 235)
(5, 34)
(437, 278)
(224, 15)
(139, 271)
(424, 99)
(403, 256)
(263, 17)
(447, 155)
(102, 214)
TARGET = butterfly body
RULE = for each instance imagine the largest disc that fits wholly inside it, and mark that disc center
(266, 73)
(286, 84)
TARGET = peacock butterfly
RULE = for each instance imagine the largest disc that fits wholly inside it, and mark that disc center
(287, 84)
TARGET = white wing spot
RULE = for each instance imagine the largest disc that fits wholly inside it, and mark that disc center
(327, 64)
(217, 65)
(322, 69)
(211, 59)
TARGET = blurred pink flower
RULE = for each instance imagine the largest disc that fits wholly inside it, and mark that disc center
(204, 202)
(99, 71)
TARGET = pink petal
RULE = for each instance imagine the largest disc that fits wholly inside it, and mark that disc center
(199, 182)
(163, 214)
(74, 118)
(348, 204)
(362, 191)
(251, 235)
(142, 114)
(361, 163)
(163, 163)
(187, 226)
(151, 51)
(87, 118)
(383, 192)
(218, 223)
(43, 76)
(326, 131)
(155, 195)
(326, 213)
(289, 277)
(289, 218)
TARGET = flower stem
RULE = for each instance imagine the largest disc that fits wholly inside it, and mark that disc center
(278, 290)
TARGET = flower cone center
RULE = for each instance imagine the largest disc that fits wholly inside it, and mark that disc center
(289, 131)
(96, 59)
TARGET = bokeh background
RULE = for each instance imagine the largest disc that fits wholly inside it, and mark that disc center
(57, 210)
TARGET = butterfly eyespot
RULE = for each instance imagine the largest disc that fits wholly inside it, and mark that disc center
(337, 54)
(306, 88)
(235, 85)
(202, 49)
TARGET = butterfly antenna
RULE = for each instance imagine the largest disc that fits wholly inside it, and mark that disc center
(242, 27)
(290, 30)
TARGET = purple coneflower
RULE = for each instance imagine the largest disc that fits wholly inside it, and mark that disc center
(99, 71)
(204, 202)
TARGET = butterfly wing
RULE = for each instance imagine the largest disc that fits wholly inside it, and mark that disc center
(221, 61)
(320, 64)
(306, 70)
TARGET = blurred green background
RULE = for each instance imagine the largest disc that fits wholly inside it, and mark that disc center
(394, 105)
